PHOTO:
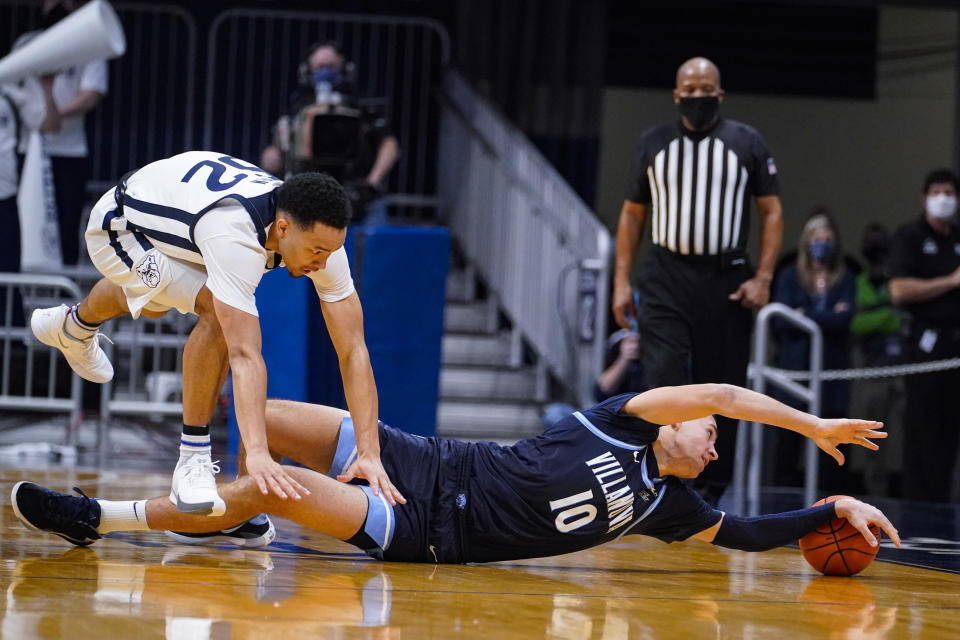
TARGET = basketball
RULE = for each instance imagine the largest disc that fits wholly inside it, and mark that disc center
(837, 548)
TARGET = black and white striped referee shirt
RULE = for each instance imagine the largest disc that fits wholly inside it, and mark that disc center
(697, 185)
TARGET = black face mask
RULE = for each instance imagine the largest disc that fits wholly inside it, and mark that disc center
(52, 17)
(700, 112)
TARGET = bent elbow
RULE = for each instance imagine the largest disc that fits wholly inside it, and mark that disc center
(723, 397)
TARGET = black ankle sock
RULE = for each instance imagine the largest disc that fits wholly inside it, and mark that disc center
(83, 323)
(189, 430)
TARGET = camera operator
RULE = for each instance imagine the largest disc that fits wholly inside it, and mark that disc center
(329, 131)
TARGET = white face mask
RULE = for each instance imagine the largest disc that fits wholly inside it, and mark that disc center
(941, 206)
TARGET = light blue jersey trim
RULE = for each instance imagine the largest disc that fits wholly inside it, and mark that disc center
(380, 519)
(346, 449)
(600, 434)
(645, 475)
(663, 491)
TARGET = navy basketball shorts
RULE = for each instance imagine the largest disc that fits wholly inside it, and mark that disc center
(429, 473)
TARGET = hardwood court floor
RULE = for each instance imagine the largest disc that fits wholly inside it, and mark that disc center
(308, 586)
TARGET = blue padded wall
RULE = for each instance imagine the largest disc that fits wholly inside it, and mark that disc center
(400, 274)
(403, 290)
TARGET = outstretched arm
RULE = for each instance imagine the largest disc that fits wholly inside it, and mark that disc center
(241, 332)
(669, 405)
(344, 320)
(770, 531)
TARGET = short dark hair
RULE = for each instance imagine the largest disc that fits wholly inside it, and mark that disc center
(875, 244)
(333, 44)
(314, 197)
(941, 175)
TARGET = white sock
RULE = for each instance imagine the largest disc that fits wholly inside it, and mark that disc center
(122, 515)
(76, 329)
(192, 445)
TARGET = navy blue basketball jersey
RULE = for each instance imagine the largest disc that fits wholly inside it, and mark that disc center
(590, 478)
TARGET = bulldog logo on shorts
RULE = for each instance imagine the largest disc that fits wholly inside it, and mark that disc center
(149, 272)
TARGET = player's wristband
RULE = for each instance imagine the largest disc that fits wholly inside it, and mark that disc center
(768, 532)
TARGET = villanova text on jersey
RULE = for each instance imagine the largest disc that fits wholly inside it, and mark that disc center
(613, 482)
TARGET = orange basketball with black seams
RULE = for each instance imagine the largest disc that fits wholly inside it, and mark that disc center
(837, 548)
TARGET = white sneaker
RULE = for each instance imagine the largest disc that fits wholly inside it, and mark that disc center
(258, 531)
(85, 357)
(194, 488)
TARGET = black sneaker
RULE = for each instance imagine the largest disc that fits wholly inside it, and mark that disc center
(255, 532)
(73, 519)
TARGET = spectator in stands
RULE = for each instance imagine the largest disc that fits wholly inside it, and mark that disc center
(622, 373)
(28, 103)
(329, 131)
(876, 322)
(820, 286)
(925, 281)
(876, 328)
(76, 91)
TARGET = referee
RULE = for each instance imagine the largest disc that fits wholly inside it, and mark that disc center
(694, 177)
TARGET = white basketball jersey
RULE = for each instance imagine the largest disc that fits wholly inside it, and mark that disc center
(164, 200)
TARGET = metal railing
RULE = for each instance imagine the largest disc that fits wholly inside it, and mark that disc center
(525, 231)
(760, 374)
(147, 355)
(35, 377)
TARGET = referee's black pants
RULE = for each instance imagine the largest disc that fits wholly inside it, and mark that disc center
(933, 418)
(690, 332)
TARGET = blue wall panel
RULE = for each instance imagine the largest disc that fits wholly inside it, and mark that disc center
(404, 274)
(400, 273)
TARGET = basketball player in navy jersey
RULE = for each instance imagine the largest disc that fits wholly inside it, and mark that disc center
(195, 233)
(592, 477)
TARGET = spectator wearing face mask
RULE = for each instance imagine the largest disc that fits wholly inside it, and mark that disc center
(877, 322)
(820, 286)
(329, 130)
(878, 342)
(925, 282)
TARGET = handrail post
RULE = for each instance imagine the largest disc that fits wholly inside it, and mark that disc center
(813, 462)
(749, 464)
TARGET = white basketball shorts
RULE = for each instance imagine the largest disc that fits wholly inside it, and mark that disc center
(149, 278)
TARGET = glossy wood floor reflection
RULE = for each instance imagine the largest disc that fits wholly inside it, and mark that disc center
(309, 586)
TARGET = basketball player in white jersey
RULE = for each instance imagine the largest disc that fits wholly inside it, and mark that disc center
(195, 233)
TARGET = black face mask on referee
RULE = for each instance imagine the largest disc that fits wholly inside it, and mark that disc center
(701, 112)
